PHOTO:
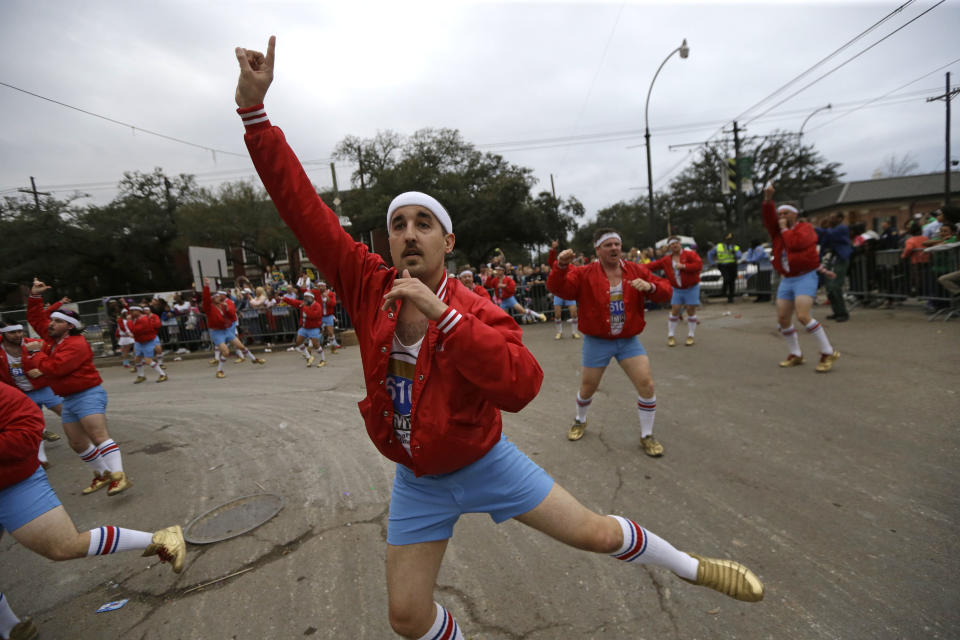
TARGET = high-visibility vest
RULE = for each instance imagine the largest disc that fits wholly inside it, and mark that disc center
(727, 254)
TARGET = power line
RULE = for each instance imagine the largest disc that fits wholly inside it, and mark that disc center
(126, 124)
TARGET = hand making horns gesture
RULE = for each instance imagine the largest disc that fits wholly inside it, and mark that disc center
(256, 74)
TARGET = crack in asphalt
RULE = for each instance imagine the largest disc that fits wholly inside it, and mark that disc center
(662, 598)
(474, 614)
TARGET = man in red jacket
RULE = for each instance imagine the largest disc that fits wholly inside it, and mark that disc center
(12, 356)
(222, 325)
(144, 325)
(466, 277)
(66, 361)
(682, 268)
(504, 289)
(796, 258)
(611, 294)
(32, 513)
(439, 363)
(328, 302)
(311, 321)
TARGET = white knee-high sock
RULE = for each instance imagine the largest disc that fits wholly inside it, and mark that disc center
(106, 540)
(91, 455)
(8, 619)
(140, 370)
(323, 358)
(304, 351)
(249, 354)
(110, 454)
(558, 324)
(672, 325)
(816, 329)
(647, 410)
(156, 367)
(582, 406)
(692, 325)
(42, 452)
(639, 545)
(220, 361)
(444, 627)
(790, 335)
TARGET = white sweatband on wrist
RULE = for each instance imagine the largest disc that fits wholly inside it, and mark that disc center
(11, 328)
(65, 318)
(606, 237)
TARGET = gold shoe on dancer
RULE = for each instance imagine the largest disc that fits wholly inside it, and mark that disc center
(50, 436)
(729, 578)
(651, 447)
(140, 379)
(827, 360)
(99, 482)
(322, 363)
(310, 360)
(575, 336)
(559, 336)
(576, 431)
(24, 630)
(221, 374)
(162, 378)
(671, 341)
(259, 361)
(239, 360)
(118, 483)
(689, 341)
(213, 361)
(169, 545)
(792, 360)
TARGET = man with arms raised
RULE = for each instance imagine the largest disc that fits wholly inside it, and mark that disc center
(440, 363)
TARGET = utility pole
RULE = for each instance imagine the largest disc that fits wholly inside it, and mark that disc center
(738, 178)
(36, 194)
(946, 97)
(336, 191)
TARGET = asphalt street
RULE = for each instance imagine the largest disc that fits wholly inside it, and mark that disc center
(839, 490)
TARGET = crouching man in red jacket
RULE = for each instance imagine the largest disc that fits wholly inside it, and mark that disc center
(32, 513)
(440, 363)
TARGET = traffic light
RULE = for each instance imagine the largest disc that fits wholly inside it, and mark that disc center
(728, 176)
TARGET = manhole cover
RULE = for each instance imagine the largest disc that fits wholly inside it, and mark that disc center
(233, 518)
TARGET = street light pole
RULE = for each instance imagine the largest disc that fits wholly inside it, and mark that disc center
(684, 51)
(800, 138)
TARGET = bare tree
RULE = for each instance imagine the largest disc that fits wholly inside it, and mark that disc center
(894, 166)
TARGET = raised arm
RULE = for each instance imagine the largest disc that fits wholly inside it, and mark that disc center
(36, 315)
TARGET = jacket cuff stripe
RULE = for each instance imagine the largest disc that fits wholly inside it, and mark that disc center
(449, 320)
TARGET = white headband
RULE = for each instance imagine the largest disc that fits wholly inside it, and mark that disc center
(11, 328)
(607, 236)
(465, 272)
(65, 318)
(307, 293)
(425, 201)
(787, 207)
(220, 293)
(135, 307)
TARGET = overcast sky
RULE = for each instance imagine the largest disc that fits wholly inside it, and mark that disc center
(511, 75)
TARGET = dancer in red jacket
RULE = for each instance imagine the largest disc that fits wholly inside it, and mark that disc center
(32, 513)
(144, 325)
(439, 363)
(796, 258)
(66, 361)
(682, 268)
(311, 322)
(611, 294)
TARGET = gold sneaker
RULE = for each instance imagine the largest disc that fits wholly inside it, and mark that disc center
(221, 374)
(162, 378)
(213, 361)
(24, 630)
(99, 482)
(118, 483)
(576, 431)
(311, 360)
(575, 336)
(792, 360)
(651, 447)
(239, 360)
(322, 363)
(671, 341)
(559, 336)
(728, 577)
(169, 545)
(139, 379)
(50, 436)
(259, 361)
(689, 341)
(827, 360)
(541, 317)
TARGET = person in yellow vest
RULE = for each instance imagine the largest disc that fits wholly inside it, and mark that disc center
(727, 256)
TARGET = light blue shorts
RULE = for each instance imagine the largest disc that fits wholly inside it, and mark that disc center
(84, 403)
(328, 321)
(598, 351)
(507, 303)
(145, 349)
(560, 302)
(689, 296)
(26, 500)
(222, 336)
(805, 285)
(504, 483)
(313, 334)
(45, 397)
